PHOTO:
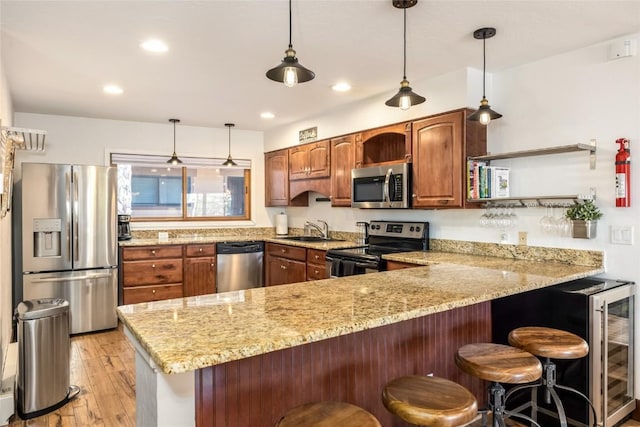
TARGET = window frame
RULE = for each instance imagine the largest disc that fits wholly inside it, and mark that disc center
(245, 165)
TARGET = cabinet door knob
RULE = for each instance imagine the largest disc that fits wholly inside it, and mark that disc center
(153, 291)
(200, 250)
(284, 267)
(316, 271)
(316, 257)
(153, 266)
(212, 265)
(283, 251)
(414, 195)
(153, 252)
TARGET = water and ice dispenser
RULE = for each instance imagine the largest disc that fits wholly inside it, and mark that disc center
(46, 237)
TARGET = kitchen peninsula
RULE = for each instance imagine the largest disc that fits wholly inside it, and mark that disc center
(243, 358)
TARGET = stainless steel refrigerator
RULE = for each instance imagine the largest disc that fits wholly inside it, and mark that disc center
(69, 240)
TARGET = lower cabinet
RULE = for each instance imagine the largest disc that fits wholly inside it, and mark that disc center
(316, 265)
(397, 265)
(199, 270)
(285, 264)
(151, 273)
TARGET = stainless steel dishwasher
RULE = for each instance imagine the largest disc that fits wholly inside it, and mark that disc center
(240, 265)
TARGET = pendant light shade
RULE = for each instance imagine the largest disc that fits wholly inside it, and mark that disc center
(290, 71)
(484, 114)
(174, 160)
(405, 97)
(229, 161)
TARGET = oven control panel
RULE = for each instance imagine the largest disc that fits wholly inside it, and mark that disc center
(406, 230)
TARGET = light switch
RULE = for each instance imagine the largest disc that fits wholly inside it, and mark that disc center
(621, 235)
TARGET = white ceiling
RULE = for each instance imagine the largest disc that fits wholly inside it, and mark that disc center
(58, 54)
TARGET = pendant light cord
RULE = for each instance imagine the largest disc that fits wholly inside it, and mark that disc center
(174, 137)
(404, 69)
(484, 63)
(229, 140)
(290, 44)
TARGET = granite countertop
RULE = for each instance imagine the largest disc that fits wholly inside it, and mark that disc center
(186, 334)
(185, 240)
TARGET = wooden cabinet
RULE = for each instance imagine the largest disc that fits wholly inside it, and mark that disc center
(343, 151)
(151, 273)
(199, 270)
(276, 181)
(384, 145)
(309, 161)
(397, 265)
(441, 144)
(285, 264)
(316, 265)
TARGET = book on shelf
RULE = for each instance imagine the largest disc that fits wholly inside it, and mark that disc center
(484, 181)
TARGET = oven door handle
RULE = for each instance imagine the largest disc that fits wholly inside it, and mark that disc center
(385, 195)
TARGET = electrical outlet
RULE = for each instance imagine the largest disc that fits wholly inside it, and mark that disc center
(522, 238)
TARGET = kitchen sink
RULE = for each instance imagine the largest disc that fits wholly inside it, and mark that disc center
(312, 239)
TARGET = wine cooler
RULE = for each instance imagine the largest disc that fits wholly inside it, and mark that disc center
(602, 312)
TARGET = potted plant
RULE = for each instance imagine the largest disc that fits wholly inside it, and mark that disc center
(584, 218)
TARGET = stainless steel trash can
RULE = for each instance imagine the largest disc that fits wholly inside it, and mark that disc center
(44, 348)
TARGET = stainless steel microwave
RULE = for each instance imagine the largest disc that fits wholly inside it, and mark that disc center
(381, 187)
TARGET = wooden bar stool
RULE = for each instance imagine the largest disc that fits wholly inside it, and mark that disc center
(498, 364)
(549, 343)
(327, 414)
(430, 401)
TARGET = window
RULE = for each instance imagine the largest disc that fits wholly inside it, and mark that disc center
(149, 188)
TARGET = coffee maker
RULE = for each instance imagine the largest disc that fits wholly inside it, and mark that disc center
(124, 228)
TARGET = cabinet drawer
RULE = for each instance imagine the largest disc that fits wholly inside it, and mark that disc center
(151, 293)
(315, 256)
(151, 252)
(201, 250)
(286, 251)
(136, 273)
(316, 272)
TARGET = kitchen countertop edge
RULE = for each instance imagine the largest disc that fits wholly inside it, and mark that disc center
(436, 287)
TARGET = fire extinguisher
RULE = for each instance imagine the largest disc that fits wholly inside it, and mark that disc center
(623, 174)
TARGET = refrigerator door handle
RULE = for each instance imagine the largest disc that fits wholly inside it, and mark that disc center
(76, 254)
(71, 279)
(604, 354)
(67, 179)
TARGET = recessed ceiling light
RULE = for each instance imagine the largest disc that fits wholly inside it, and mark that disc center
(154, 45)
(112, 90)
(341, 87)
(267, 115)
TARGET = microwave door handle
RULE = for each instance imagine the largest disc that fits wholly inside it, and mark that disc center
(385, 194)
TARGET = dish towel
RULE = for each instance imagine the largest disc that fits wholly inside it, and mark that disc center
(348, 268)
(336, 268)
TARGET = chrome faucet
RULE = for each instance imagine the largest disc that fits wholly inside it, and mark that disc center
(324, 230)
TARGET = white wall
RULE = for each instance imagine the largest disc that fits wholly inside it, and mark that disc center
(566, 99)
(89, 141)
(6, 116)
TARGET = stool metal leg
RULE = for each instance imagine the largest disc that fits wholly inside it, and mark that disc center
(548, 381)
(497, 399)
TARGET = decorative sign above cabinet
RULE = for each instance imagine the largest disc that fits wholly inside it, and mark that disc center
(308, 135)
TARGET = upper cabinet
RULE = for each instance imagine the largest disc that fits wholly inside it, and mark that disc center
(384, 145)
(440, 146)
(276, 182)
(343, 151)
(309, 161)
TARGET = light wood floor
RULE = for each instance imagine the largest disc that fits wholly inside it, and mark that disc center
(103, 366)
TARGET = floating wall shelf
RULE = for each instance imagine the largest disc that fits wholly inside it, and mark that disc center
(543, 152)
(536, 201)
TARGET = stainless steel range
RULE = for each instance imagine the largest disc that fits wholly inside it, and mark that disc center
(384, 237)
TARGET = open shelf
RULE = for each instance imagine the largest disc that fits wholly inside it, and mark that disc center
(535, 201)
(543, 152)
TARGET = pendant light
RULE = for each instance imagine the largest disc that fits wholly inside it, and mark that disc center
(484, 114)
(290, 71)
(229, 161)
(174, 160)
(405, 97)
